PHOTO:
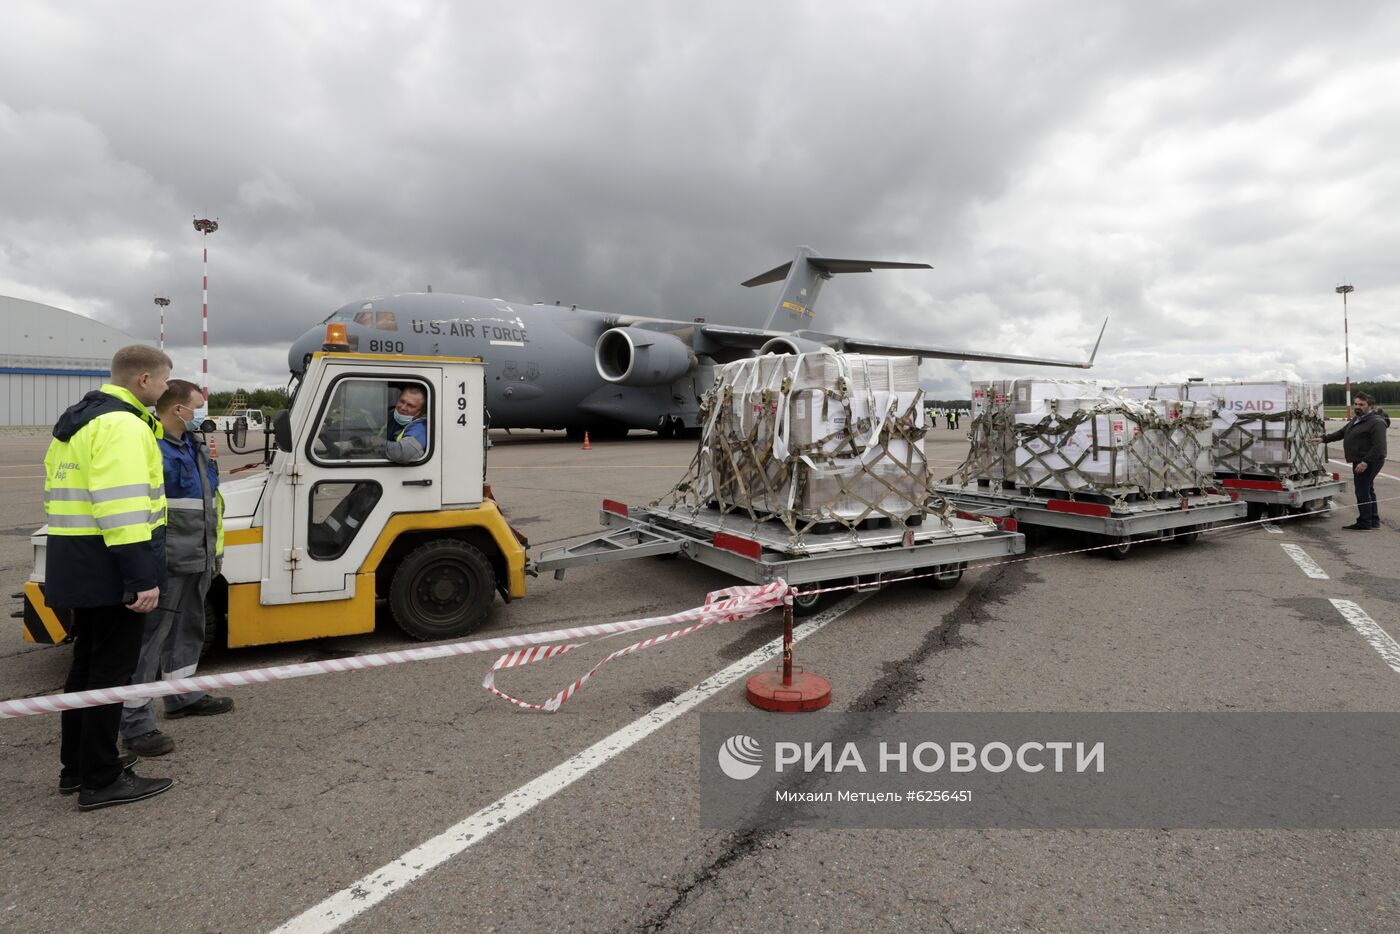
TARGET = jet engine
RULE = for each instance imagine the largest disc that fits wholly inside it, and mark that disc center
(638, 357)
(790, 344)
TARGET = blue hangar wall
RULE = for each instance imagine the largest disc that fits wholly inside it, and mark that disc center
(48, 359)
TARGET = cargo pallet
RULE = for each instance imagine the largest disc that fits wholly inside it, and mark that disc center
(1278, 495)
(759, 552)
(1179, 518)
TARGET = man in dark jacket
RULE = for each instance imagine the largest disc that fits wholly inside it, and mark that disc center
(174, 633)
(1363, 446)
(104, 496)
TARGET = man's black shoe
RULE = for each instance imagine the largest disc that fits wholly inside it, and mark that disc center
(127, 788)
(1357, 527)
(149, 745)
(206, 706)
(67, 784)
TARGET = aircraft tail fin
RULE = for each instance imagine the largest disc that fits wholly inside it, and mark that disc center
(802, 279)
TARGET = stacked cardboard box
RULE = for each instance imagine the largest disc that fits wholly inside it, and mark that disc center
(1261, 427)
(1071, 436)
(819, 436)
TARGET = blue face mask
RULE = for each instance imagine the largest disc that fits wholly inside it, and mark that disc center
(401, 418)
(191, 424)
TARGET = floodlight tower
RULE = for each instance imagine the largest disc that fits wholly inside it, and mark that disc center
(1344, 291)
(205, 226)
(162, 301)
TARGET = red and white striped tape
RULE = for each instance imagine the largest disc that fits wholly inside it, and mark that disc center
(722, 606)
(733, 603)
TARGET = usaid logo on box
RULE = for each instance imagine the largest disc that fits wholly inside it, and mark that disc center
(1248, 405)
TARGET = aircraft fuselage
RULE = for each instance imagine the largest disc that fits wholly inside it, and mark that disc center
(540, 370)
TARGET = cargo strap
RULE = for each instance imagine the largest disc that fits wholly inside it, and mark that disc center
(1236, 454)
(1164, 455)
(747, 463)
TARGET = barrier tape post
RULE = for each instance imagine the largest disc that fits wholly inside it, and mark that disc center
(787, 690)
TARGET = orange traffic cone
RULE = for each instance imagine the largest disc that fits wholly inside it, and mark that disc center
(586, 445)
(213, 448)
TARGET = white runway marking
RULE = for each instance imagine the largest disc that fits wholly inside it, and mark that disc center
(1333, 460)
(418, 862)
(1270, 527)
(1304, 561)
(1371, 631)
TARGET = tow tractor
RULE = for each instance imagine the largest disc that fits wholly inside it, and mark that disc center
(1119, 525)
(330, 523)
(759, 552)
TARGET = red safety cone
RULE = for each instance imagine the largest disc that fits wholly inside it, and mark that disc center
(586, 445)
(786, 690)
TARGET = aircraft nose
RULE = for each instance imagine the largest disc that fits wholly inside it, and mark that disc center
(302, 348)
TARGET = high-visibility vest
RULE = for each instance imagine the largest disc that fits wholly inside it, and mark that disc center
(107, 479)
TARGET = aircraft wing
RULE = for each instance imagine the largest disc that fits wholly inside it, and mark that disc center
(753, 338)
(730, 336)
(857, 345)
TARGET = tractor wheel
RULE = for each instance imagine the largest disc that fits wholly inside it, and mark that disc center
(441, 590)
(215, 630)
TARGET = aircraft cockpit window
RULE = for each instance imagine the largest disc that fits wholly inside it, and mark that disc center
(385, 321)
(364, 318)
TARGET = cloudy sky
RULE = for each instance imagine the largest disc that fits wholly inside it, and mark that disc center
(1203, 174)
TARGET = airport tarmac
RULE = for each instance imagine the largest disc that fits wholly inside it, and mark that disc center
(284, 805)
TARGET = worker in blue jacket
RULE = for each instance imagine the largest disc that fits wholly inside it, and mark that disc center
(407, 431)
(174, 633)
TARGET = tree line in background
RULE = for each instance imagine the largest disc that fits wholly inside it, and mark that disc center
(269, 400)
(1386, 393)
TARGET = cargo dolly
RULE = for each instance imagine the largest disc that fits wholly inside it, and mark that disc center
(1121, 524)
(1277, 496)
(758, 552)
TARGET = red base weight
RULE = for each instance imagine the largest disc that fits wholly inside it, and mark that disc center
(807, 692)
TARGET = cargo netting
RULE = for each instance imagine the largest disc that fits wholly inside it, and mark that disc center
(1260, 427)
(1069, 438)
(813, 442)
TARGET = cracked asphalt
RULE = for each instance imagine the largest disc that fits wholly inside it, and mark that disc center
(311, 784)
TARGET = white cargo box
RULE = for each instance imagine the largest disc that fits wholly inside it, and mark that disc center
(1070, 436)
(820, 436)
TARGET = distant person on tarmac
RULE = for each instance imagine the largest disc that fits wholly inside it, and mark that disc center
(173, 637)
(104, 497)
(1363, 446)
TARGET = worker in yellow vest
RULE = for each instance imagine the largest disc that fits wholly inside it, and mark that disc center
(104, 496)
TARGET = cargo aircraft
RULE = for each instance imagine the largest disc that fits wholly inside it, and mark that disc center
(554, 366)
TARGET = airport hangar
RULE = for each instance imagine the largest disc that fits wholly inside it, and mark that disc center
(49, 358)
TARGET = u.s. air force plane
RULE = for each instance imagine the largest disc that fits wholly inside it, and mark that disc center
(550, 366)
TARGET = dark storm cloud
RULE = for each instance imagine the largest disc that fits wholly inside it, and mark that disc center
(1195, 170)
